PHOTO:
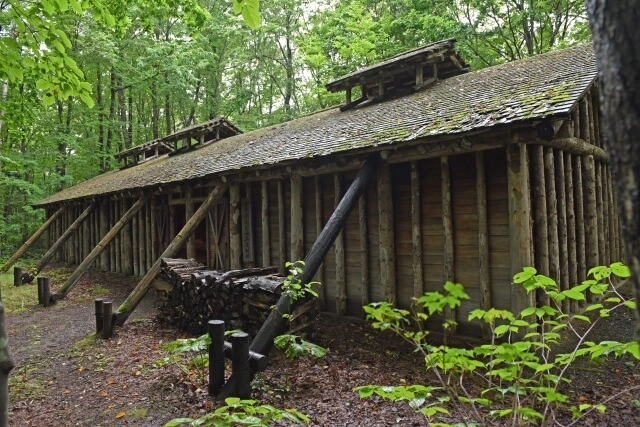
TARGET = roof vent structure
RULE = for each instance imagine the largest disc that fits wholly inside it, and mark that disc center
(181, 141)
(402, 74)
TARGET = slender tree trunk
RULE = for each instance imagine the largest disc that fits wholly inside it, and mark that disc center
(6, 365)
(616, 40)
(112, 113)
(100, 105)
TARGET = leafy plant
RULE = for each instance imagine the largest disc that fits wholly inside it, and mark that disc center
(245, 412)
(194, 350)
(520, 375)
(295, 346)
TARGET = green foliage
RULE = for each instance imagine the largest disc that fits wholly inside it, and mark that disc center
(292, 286)
(520, 373)
(296, 347)
(188, 354)
(242, 412)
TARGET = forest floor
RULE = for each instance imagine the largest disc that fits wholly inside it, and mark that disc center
(64, 379)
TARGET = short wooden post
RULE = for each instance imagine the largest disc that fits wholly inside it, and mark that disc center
(107, 323)
(99, 304)
(40, 283)
(46, 291)
(216, 356)
(240, 364)
(17, 276)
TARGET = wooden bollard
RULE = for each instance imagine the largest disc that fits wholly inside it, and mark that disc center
(240, 365)
(216, 356)
(99, 315)
(46, 290)
(17, 276)
(39, 282)
(107, 321)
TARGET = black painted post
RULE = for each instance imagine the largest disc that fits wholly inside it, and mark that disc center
(46, 291)
(240, 365)
(17, 276)
(216, 356)
(40, 283)
(107, 322)
(99, 315)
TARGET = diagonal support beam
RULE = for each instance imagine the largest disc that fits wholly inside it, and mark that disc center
(16, 256)
(61, 241)
(86, 263)
(276, 323)
(134, 298)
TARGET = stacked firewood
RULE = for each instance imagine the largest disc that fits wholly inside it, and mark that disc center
(242, 298)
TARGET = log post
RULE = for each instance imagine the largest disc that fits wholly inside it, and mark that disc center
(40, 291)
(46, 291)
(86, 263)
(416, 230)
(296, 208)
(6, 365)
(86, 237)
(153, 236)
(483, 237)
(275, 322)
(62, 239)
(540, 212)
(16, 256)
(386, 238)
(563, 235)
(117, 213)
(104, 229)
(365, 281)
(127, 250)
(447, 225)
(590, 211)
(135, 246)
(188, 213)
(341, 285)
(581, 239)
(571, 222)
(107, 322)
(599, 214)
(134, 298)
(235, 241)
(99, 309)
(146, 212)
(264, 215)
(240, 365)
(552, 213)
(17, 276)
(318, 206)
(521, 251)
(282, 244)
(142, 239)
(216, 356)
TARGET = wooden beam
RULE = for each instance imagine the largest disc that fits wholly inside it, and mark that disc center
(104, 229)
(416, 230)
(386, 239)
(84, 266)
(135, 246)
(319, 224)
(134, 298)
(579, 201)
(576, 146)
(571, 221)
(483, 236)
(365, 279)
(275, 322)
(297, 233)
(552, 213)
(583, 110)
(447, 225)
(606, 213)
(85, 242)
(520, 238)
(282, 244)
(188, 213)
(590, 210)
(117, 213)
(563, 232)
(341, 287)
(16, 256)
(127, 258)
(153, 237)
(235, 241)
(600, 214)
(63, 239)
(142, 254)
(264, 218)
(540, 212)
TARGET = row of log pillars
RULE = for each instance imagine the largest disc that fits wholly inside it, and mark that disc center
(574, 217)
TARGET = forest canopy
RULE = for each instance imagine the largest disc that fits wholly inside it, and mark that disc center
(81, 80)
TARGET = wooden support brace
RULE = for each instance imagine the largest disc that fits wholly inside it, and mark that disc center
(16, 256)
(134, 298)
(416, 229)
(235, 240)
(86, 263)
(483, 237)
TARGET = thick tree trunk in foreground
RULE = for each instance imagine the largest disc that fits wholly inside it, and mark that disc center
(616, 40)
(6, 365)
(276, 323)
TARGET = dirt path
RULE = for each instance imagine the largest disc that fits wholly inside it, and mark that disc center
(61, 379)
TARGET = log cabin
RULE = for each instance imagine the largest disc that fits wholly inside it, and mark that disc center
(479, 174)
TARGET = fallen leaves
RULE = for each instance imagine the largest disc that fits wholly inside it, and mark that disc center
(121, 414)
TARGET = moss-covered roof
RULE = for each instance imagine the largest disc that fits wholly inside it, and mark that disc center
(532, 88)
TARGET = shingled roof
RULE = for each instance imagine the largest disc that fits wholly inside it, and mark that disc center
(532, 88)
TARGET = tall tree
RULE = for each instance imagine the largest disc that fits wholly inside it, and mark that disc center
(616, 40)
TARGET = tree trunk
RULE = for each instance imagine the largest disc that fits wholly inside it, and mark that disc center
(615, 38)
(6, 365)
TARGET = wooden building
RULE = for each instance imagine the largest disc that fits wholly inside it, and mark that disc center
(482, 173)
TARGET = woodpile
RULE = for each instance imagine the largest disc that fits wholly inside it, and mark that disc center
(242, 298)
